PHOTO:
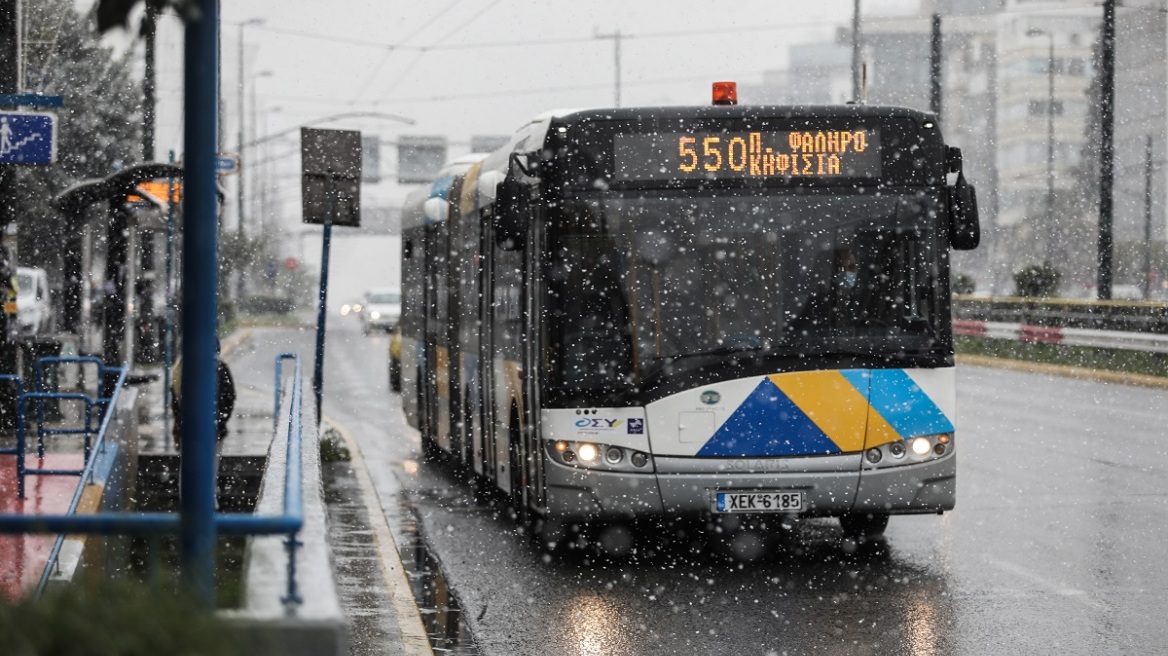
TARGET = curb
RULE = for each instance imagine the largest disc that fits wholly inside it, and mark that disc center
(1066, 371)
(415, 641)
(229, 343)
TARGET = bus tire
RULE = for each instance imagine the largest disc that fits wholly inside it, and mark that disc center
(864, 525)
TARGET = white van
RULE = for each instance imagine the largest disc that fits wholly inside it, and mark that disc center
(34, 313)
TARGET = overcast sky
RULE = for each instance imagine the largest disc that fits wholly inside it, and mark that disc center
(468, 67)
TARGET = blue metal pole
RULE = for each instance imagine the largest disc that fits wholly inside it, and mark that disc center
(200, 259)
(318, 370)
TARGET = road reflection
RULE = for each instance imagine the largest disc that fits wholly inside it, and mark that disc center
(684, 591)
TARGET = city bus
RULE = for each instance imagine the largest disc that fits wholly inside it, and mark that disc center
(693, 312)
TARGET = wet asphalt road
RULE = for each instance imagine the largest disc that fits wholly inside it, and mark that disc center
(1058, 543)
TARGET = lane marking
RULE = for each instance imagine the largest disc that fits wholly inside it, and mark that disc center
(1081, 596)
(409, 621)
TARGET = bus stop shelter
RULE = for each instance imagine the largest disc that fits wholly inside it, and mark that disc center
(117, 291)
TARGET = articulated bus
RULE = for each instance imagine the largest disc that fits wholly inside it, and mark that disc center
(693, 312)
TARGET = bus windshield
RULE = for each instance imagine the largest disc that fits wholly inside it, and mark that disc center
(643, 287)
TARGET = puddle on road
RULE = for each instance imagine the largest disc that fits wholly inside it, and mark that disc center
(442, 617)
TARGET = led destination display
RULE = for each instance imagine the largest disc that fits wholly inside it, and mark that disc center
(853, 153)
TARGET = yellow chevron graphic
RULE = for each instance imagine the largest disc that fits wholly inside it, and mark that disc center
(839, 410)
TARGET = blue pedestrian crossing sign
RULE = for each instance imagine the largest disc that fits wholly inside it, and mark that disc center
(28, 138)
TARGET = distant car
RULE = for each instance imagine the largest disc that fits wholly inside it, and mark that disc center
(380, 310)
(395, 359)
(34, 312)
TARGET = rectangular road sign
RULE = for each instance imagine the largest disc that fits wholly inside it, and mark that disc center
(330, 176)
(28, 138)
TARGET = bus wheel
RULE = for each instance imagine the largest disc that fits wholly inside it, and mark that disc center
(864, 525)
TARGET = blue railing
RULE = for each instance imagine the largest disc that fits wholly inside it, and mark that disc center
(86, 430)
(145, 524)
(99, 448)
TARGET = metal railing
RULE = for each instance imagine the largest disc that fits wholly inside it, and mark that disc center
(1104, 339)
(86, 473)
(147, 524)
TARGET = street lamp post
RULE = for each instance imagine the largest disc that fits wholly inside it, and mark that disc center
(239, 152)
(1049, 231)
(252, 169)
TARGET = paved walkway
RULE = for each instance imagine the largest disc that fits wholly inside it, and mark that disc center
(366, 565)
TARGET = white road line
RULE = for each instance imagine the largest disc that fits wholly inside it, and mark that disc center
(1082, 596)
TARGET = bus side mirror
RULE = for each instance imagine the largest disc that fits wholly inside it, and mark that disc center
(964, 225)
(512, 205)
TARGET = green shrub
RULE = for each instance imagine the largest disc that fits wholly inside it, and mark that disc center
(113, 618)
(333, 448)
(963, 283)
(1037, 280)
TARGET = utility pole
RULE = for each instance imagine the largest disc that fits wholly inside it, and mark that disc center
(1050, 231)
(935, 68)
(856, 51)
(150, 27)
(242, 136)
(241, 177)
(1106, 148)
(1148, 219)
(616, 50)
(9, 83)
(149, 342)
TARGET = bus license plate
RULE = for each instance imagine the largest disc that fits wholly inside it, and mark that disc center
(762, 501)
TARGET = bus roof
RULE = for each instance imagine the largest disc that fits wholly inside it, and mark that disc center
(738, 111)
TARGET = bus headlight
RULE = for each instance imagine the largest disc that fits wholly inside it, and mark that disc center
(613, 455)
(896, 449)
(921, 446)
(587, 453)
(914, 450)
(606, 457)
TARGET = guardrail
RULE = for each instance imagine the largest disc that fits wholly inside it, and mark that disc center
(147, 524)
(1109, 339)
(1116, 316)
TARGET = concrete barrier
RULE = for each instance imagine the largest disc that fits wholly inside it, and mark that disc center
(268, 624)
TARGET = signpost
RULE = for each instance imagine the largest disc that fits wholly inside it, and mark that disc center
(330, 187)
(28, 138)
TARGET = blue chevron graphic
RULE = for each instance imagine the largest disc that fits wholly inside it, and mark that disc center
(768, 424)
(903, 404)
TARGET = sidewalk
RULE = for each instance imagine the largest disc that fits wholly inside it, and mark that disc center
(367, 570)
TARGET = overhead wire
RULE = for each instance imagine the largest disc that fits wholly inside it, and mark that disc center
(389, 53)
(527, 91)
(379, 45)
(410, 67)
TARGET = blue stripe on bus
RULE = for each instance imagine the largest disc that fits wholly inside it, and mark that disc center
(902, 403)
(768, 423)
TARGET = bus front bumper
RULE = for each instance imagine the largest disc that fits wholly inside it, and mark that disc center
(685, 486)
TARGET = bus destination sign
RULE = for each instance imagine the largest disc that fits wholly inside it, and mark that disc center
(820, 154)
